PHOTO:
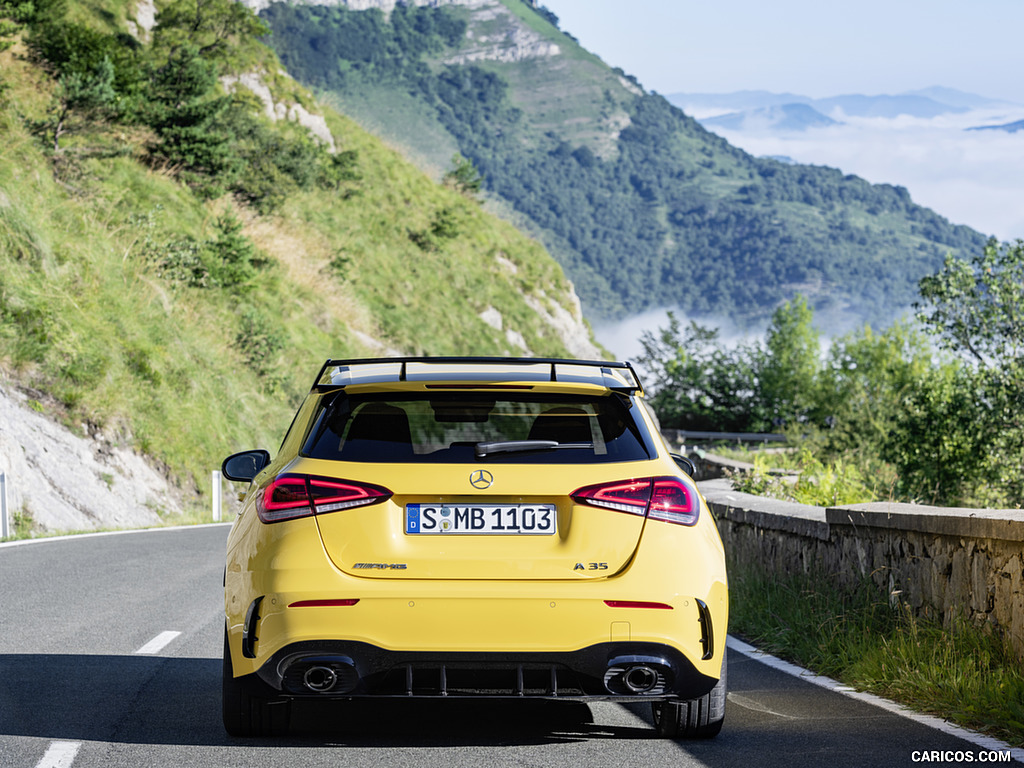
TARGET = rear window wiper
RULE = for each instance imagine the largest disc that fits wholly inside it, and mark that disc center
(483, 450)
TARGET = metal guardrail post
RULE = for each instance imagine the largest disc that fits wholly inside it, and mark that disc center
(5, 523)
(218, 494)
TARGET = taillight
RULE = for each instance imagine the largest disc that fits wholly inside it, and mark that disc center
(631, 496)
(292, 496)
(669, 499)
(674, 501)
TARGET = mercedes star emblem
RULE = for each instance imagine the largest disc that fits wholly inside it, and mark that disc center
(480, 479)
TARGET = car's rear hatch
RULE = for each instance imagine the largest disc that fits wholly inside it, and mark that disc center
(480, 477)
(437, 526)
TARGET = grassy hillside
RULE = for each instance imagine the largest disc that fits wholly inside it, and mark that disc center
(136, 293)
(643, 206)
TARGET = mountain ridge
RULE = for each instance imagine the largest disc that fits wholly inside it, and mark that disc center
(613, 179)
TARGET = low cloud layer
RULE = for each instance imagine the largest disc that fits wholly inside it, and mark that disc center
(623, 338)
(970, 177)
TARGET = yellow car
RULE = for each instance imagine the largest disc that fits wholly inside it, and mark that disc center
(489, 527)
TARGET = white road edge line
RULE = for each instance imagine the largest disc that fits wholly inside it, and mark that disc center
(158, 643)
(73, 536)
(60, 754)
(979, 740)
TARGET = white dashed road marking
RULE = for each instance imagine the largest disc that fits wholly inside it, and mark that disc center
(158, 643)
(61, 754)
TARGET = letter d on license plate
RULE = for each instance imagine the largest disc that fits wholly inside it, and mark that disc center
(480, 518)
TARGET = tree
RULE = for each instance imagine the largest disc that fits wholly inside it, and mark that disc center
(187, 119)
(89, 96)
(938, 440)
(231, 256)
(211, 27)
(976, 305)
(700, 384)
(792, 362)
(90, 68)
(864, 383)
(463, 177)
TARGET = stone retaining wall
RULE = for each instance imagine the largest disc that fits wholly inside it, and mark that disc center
(942, 563)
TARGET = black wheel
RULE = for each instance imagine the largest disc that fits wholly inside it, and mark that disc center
(694, 719)
(249, 706)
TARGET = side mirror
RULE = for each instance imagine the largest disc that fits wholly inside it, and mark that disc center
(685, 464)
(243, 467)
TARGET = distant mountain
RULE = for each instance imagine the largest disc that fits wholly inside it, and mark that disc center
(790, 112)
(641, 204)
(851, 105)
(955, 98)
(855, 105)
(787, 118)
(1013, 127)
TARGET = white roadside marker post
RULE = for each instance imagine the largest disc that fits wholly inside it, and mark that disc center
(217, 495)
(5, 524)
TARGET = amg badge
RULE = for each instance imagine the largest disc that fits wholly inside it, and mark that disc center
(381, 566)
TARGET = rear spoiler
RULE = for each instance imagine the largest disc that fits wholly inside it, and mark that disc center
(616, 376)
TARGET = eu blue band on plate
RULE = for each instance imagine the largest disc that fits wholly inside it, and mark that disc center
(412, 518)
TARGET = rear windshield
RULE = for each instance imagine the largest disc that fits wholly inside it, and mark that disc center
(446, 428)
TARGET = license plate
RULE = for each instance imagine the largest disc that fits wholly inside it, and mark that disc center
(480, 518)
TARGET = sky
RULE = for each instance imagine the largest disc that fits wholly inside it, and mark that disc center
(815, 48)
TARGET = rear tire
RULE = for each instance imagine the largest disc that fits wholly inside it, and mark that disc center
(694, 719)
(249, 706)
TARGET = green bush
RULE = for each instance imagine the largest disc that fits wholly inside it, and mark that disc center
(259, 340)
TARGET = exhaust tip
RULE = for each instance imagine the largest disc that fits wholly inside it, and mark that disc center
(638, 676)
(640, 679)
(302, 673)
(319, 679)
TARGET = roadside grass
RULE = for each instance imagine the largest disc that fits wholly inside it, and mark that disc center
(961, 673)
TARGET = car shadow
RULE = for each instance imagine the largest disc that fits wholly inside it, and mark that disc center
(176, 701)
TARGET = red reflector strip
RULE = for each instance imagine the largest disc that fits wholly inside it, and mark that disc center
(342, 603)
(637, 604)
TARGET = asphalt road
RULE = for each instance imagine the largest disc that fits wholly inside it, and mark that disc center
(110, 656)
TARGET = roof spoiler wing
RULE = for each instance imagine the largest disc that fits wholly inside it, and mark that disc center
(616, 376)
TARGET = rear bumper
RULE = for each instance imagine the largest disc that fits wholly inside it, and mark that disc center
(613, 670)
(497, 621)
(673, 595)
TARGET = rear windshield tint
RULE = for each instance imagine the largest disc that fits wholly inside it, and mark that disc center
(446, 427)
